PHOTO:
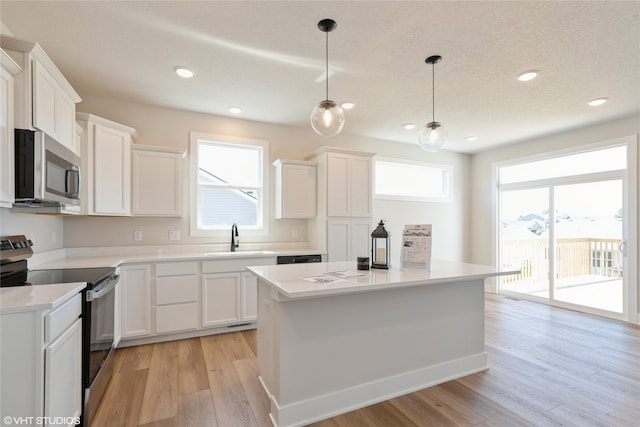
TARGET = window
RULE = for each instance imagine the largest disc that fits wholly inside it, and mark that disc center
(397, 179)
(228, 177)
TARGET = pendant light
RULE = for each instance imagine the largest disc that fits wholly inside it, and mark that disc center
(327, 118)
(433, 135)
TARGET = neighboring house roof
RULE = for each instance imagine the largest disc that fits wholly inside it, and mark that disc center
(226, 206)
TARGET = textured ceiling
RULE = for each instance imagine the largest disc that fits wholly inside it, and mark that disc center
(268, 58)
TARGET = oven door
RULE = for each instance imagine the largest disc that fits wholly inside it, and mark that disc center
(101, 316)
(97, 355)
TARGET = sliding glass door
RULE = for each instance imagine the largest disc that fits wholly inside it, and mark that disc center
(589, 244)
(562, 222)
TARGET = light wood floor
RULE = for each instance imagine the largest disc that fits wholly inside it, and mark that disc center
(548, 367)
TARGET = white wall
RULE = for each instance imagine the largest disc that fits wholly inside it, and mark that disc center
(46, 231)
(482, 200)
(168, 127)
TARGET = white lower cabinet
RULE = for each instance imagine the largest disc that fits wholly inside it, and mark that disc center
(63, 374)
(229, 292)
(220, 299)
(348, 239)
(117, 314)
(249, 296)
(135, 282)
(41, 363)
(176, 297)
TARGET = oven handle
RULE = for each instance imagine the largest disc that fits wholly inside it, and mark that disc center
(103, 289)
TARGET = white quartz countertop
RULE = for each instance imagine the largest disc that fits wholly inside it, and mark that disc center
(313, 280)
(43, 297)
(114, 260)
(17, 299)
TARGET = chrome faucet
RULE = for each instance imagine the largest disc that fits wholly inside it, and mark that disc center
(235, 240)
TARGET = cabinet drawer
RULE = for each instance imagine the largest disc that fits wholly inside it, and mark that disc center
(171, 290)
(62, 317)
(176, 268)
(173, 318)
(228, 265)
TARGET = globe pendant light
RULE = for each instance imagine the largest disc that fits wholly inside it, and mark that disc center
(327, 118)
(433, 135)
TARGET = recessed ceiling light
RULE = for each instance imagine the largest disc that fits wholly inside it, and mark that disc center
(528, 75)
(409, 126)
(183, 72)
(597, 101)
(471, 138)
(347, 105)
(235, 110)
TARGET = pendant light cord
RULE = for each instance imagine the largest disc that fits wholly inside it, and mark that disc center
(326, 63)
(433, 92)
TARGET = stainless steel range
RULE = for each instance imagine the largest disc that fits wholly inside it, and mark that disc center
(97, 312)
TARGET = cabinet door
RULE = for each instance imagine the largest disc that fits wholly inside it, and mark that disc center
(156, 183)
(63, 374)
(117, 315)
(65, 120)
(249, 296)
(44, 100)
(360, 186)
(135, 282)
(338, 236)
(359, 239)
(296, 195)
(112, 171)
(6, 139)
(220, 299)
(337, 184)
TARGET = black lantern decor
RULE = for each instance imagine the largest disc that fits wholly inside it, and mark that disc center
(380, 247)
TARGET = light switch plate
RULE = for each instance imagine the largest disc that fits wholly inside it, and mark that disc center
(174, 234)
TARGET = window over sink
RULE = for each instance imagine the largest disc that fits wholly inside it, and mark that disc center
(228, 184)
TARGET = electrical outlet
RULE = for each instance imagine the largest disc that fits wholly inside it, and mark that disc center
(294, 234)
(174, 234)
(137, 234)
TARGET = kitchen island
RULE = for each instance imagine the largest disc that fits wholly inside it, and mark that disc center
(328, 346)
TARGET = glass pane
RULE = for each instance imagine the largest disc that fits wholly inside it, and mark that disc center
(236, 165)
(410, 180)
(588, 232)
(524, 242)
(220, 208)
(608, 159)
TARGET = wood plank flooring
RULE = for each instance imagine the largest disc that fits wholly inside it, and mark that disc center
(548, 367)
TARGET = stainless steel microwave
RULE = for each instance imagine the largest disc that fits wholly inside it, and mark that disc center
(46, 172)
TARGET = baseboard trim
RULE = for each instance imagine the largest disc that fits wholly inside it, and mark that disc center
(349, 399)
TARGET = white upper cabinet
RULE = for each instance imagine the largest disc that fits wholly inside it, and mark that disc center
(295, 183)
(44, 99)
(345, 180)
(8, 69)
(156, 181)
(106, 165)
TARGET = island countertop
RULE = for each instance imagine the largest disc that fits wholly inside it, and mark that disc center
(308, 280)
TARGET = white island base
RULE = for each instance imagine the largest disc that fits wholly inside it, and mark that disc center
(327, 349)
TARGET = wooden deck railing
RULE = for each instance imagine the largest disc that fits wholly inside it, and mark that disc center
(574, 257)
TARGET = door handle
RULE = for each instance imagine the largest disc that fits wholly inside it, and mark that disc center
(622, 247)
